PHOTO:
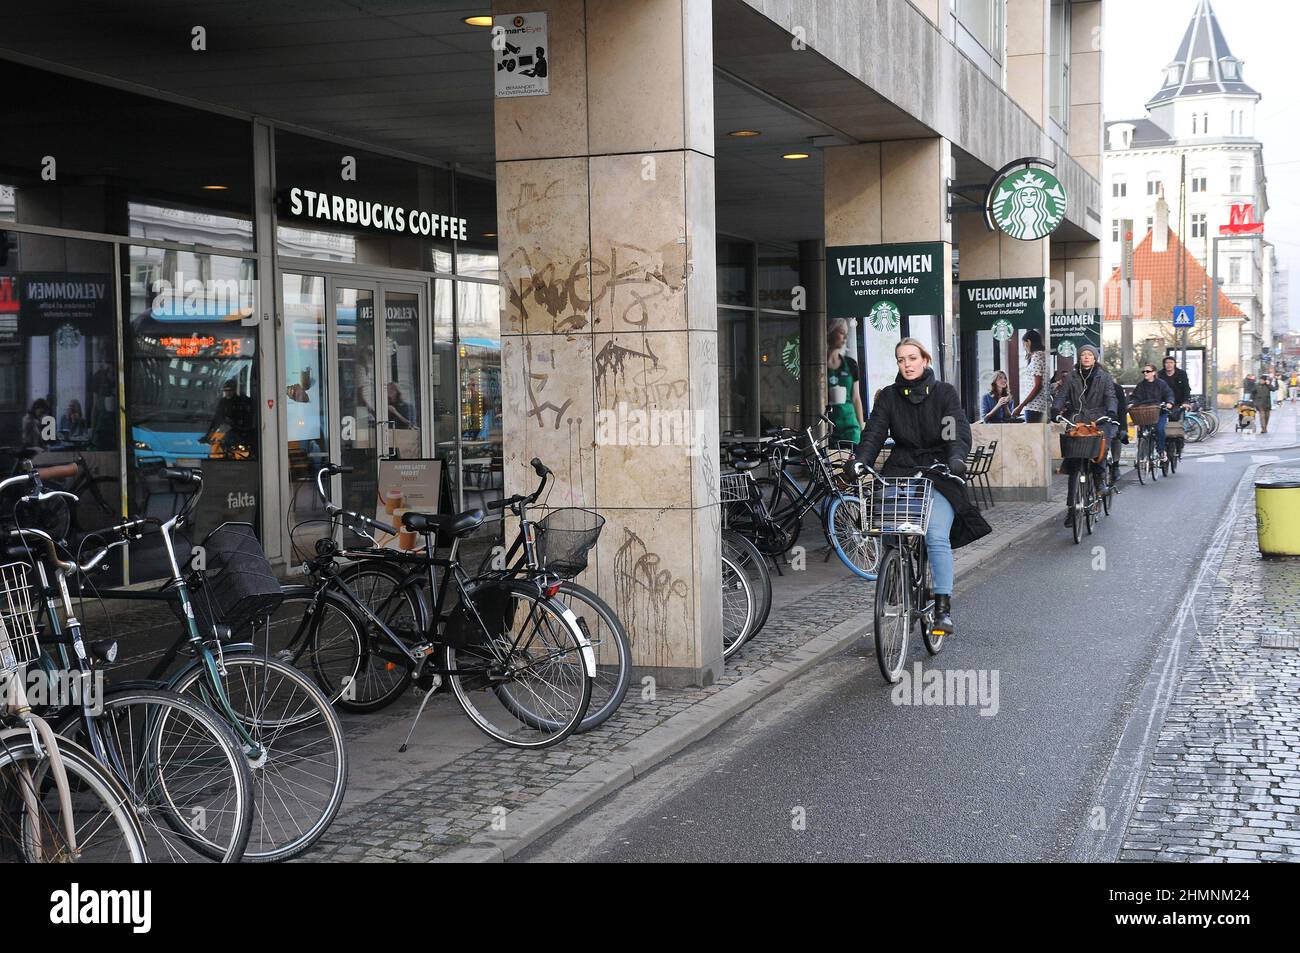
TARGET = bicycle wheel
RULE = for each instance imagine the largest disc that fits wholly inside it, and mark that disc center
(934, 641)
(785, 518)
(294, 743)
(1107, 492)
(1194, 430)
(847, 531)
(1089, 499)
(753, 564)
(892, 616)
(613, 651)
(525, 681)
(316, 633)
(1175, 454)
(184, 770)
(1141, 459)
(738, 604)
(1211, 422)
(1153, 463)
(383, 672)
(106, 827)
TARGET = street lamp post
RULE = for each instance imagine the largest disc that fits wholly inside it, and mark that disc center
(1214, 313)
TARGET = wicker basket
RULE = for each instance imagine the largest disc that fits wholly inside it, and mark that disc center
(1081, 448)
(1145, 415)
(1174, 428)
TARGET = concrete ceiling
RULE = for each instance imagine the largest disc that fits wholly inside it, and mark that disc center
(411, 77)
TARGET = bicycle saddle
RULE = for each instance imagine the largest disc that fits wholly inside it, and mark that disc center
(741, 465)
(454, 525)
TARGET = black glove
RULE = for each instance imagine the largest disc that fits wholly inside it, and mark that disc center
(956, 465)
(853, 469)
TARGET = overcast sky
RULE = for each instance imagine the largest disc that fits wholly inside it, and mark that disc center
(1142, 37)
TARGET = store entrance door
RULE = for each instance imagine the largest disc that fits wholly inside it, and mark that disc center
(356, 391)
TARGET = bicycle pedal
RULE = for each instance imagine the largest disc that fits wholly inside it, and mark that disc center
(423, 650)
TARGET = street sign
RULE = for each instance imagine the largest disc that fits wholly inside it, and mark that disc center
(1185, 316)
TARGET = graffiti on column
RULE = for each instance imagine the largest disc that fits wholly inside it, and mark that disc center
(648, 598)
(535, 383)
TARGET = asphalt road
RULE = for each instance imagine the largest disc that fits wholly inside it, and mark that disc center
(832, 769)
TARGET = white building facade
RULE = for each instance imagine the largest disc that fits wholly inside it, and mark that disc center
(1203, 113)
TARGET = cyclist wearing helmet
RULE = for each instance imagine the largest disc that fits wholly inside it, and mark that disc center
(924, 416)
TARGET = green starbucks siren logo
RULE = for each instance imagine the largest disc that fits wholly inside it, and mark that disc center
(790, 355)
(1003, 330)
(1029, 204)
(1066, 349)
(885, 316)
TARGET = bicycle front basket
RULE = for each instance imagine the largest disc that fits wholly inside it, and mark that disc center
(238, 582)
(19, 602)
(564, 537)
(1080, 448)
(900, 507)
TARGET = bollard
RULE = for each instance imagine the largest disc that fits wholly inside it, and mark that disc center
(1277, 514)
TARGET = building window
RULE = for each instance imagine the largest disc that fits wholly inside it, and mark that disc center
(1151, 224)
(1173, 73)
(1199, 181)
(982, 19)
(1200, 69)
(1234, 271)
(1114, 229)
(1198, 225)
(1205, 123)
(1119, 187)
(1234, 180)
(1059, 52)
(1229, 69)
(1153, 183)
(1196, 123)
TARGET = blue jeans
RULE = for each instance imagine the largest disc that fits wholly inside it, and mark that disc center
(1160, 432)
(939, 546)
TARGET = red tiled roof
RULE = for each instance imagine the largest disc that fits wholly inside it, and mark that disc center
(1155, 288)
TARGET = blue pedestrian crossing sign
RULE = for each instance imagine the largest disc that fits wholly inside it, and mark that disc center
(1185, 316)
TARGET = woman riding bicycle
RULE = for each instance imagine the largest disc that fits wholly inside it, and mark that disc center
(924, 417)
(1087, 395)
(1152, 390)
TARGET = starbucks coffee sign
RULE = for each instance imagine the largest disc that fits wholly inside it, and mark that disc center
(1004, 307)
(884, 283)
(1071, 330)
(1028, 204)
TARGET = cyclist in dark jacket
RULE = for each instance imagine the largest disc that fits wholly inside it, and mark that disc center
(1176, 378)
(1088, 394)
(1153, 390)
(926, 420)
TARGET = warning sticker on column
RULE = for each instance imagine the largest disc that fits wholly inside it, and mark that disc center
(522, 55)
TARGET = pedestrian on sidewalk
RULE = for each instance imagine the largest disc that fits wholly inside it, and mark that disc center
(1037, 401)
(1263, 398)
(1294, 387)
(925, 418)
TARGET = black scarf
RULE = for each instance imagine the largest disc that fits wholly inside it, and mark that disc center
(917, 390)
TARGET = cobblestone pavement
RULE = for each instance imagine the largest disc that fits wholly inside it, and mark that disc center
(425, 816)
(1224, 779)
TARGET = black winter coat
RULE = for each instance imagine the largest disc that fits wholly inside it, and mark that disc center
(1179, 384)
(915, 414)
(1153, 392)
(1086, 398)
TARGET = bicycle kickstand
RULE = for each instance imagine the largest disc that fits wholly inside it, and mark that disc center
(437, 682)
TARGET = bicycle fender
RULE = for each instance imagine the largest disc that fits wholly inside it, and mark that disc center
(588, 656)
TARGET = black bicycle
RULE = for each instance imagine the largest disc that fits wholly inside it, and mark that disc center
(1149, 464)
(515, 657)
(1094, 488)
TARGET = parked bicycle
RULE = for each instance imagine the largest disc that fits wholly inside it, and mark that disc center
(737, 492)
(516, 659)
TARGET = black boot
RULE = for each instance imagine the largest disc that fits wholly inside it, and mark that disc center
(943, 615)
(1069, 515)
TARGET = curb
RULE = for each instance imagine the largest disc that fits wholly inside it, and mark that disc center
(597, 781)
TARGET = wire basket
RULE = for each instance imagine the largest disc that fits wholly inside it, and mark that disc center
(237, 583)
(564, 537)
(1145, 415)
(18, 606)
(735, 487)
(1081, 448)
(899, 507)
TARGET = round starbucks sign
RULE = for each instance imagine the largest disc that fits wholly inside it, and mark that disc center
(1066, 349)
(1003, 330)
(885, 316)
(1029, 204)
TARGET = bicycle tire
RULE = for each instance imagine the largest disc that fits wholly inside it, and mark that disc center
(933, 642)
(133, 725)
(1089, 499)
(1107, 492)
(118, 836)
(317, 633)
(891, 620)
(745, 555)
(613, 650)
(1194, 430)
(311, 725)
(1174, 455)
(492, 671)
(737, 607)
(1141, 459)
(1076, 527)
(383, 673)
(857, 550)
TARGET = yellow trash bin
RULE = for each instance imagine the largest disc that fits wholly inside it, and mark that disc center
(1277, 512)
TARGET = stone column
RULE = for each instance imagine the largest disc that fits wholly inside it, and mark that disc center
(605, 204)
(887, 192)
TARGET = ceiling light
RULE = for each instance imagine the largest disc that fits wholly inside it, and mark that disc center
(479, 21)
(795, 155)
(745, 133)
(489, 234)
(216, 188)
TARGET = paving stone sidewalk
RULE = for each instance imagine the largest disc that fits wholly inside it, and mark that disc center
(465, 800)
(1224, 779)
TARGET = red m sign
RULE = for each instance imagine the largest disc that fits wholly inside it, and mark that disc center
(1241, 221)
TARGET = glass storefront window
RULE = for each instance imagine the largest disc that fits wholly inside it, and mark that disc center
(192, 396)
(123, 164)
(735, 273)
(736, 358)
(778, 276)
(479, 328)
(476, 202)
(778, 374)
(58, 368)
(445, 391)
(306, 430)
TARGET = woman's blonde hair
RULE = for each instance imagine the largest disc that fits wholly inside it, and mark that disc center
(916, 344)
(839, 324)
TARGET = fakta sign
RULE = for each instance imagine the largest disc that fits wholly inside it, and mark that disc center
(1241, 221)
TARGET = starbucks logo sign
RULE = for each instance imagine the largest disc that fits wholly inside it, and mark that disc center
(1003, 330)
(1066, 349)
(885, 316)
(790, 355)
(1029, 204)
